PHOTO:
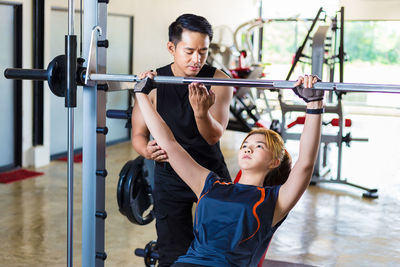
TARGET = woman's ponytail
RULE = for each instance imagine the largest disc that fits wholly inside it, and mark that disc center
(280, 174)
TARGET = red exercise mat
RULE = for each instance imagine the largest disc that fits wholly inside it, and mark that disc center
(17, 175)
(77, 158)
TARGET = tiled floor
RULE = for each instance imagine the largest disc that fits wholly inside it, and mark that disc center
(332, 225)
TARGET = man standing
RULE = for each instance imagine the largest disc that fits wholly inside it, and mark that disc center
(198, 116)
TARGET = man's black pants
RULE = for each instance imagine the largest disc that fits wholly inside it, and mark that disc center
(173, 202)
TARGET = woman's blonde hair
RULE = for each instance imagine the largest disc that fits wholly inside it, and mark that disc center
(275, 144)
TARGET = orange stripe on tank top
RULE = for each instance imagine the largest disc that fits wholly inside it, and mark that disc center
(262, 190)
(223, 183)
(198, 204)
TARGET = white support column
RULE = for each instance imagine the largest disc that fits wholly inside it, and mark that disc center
(89, 148)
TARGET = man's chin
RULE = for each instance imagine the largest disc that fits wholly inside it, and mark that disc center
(191, 72)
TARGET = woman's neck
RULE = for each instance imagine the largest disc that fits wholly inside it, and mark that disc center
(252, 178)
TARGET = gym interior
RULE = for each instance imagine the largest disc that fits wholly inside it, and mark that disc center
(348, 216)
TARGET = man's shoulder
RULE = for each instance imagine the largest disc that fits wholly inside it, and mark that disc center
(164, 70)
(207, 71)
(207, 66)
(220, 74)
(217, 73)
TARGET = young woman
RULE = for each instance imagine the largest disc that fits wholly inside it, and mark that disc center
(234, 223)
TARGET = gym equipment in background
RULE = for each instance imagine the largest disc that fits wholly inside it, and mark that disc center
(134, 192)
(96, 83)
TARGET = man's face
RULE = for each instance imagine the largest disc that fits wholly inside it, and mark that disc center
(190, 53)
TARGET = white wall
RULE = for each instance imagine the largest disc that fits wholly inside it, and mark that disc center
(27, 85)
(371, 9)
(153, 17)
(151, 21)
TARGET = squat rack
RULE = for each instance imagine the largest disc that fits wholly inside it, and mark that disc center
(63, 78)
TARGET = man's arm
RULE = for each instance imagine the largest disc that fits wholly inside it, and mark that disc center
(211, 110)
(185, 166)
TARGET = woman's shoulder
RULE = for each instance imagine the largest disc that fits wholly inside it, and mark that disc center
(272, 192)
(211, 180)
(212, 177)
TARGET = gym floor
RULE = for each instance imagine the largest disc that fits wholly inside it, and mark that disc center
(332, 225)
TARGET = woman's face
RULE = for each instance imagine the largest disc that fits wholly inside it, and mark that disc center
(254, 154)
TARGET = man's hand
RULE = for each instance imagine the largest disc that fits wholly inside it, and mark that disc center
(155, 152)
(200, 99)
(148, 73)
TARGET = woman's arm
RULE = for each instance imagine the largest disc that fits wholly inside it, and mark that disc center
(300, 176)
(193, 174)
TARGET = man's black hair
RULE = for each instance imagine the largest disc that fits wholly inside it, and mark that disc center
(189, 22)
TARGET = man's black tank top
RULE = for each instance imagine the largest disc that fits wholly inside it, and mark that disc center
(174, 107)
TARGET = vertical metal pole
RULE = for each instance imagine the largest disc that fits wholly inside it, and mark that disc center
(70, 170)
(340, 135)
(70, 174)
(89, 148)
(38, 93)
(317, 63)
(71, 8)
(341, 47)
(101, 143)
(260, 34)
(341, 69)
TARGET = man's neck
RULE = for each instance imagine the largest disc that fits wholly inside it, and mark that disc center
(177, 72)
